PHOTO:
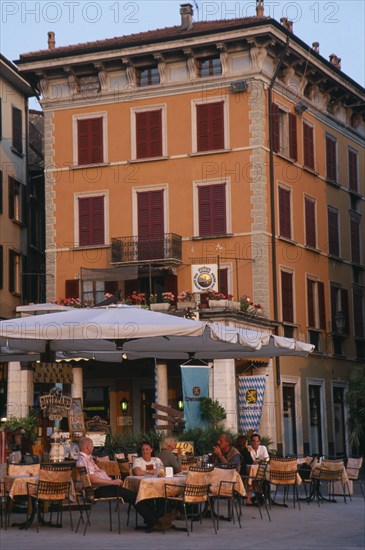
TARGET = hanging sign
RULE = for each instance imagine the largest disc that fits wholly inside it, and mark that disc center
(55, 405)
(251, 391)
(195, 384)
(204, 277)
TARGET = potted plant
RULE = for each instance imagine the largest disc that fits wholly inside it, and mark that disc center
(185, 300)
(136, 299)
(245, 302)
(217, 300)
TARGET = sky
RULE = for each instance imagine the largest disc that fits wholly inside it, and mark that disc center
(338, 26)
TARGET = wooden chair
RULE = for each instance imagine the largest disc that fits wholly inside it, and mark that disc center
(192, 495)
(89, 497)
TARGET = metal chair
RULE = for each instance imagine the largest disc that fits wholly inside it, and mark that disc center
(284, 473)
(3, 506)
(353, 469)
(259, 484)
(227, 492)
(332, 471)
(89, 497)
(192, 495)
(50, 492)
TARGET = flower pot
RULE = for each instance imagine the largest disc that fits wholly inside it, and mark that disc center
(219, 304)
(164, 306)
(234, 305)
(185, 305)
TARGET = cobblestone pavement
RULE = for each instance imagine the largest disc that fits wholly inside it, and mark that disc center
(330, 526)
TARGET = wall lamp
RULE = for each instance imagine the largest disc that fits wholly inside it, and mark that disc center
(124, 406)
(180, 404)
(300, 107)
(340, 321)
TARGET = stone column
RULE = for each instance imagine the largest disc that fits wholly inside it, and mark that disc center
(268, 416)
(161, 386)
(77, 385)
(224, 389)
(27, 388)
(14, 390)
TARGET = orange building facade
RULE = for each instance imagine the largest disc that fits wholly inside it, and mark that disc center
(220, 143)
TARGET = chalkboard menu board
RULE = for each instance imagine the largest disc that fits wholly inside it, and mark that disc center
(76, 422)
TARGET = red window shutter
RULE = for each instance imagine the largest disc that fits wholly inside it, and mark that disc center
(353, 181)
(331, 159)
(321, 306)
(310, 223)
(355, 241)
(223, 281)
(212, 210)
(310, 303)
(275, 112)
(150, 225)
(284, 213)
(308, 145)
(333, 242)
(293, 140)
(149, 134)
(358, 312)
(287, 297)
(90, 141)
(72, 288)
(91, 221)
(210, 126)
(345, 309)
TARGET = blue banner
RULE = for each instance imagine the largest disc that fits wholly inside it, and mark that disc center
(251, 391)
(195, 385)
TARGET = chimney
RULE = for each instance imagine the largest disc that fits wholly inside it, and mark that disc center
(186, 12)
(315, 46)
(287, 24)
(259, 8)
(51, 40)
(336, 61)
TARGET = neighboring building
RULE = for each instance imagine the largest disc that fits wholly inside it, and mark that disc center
(159, 155)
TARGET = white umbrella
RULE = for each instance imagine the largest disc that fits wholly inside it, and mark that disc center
(106, 333)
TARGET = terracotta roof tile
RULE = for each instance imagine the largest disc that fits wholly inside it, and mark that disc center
(157, 35)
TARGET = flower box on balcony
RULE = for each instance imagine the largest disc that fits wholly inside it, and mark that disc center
(163, 306)
(218, 304)
(185, 305)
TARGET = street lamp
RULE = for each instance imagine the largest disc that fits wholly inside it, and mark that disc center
(340, 321)
(124, 406)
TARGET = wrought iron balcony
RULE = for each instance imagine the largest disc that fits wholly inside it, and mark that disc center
(132, 250)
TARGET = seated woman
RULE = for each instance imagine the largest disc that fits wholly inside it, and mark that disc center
(146, 464)
(168, 458)
(246, 458)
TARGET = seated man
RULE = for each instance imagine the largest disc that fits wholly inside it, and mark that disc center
(104, 486)
(224, 453)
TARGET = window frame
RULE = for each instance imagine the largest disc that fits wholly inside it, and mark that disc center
(145, 188)
(133, 112)
(288, 190)
(194, 124)
(75, 140)
(211, 69)
(17, 140)
(292, 273)
(333, 209)
(202, 183)
(284, 143)
(332, 177)
(150, 77)
(85, 195)
(309, 125)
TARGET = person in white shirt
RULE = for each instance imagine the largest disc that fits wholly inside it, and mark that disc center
(258, 452)
(146, 464)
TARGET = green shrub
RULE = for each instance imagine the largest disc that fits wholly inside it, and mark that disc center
(29, 424)
(212, 411)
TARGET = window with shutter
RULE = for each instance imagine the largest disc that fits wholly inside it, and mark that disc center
(333, 239)
(308, 146)
(90, 141)
(72, 288)
(223, 281)
(150, 225)
(17, 130)
(210, 126)
(149, 134)
(316, 304)
(355, 240)
(1, 266)
(353, 176)
(284, 213)
(284, 126)
(359, 324)
(148, 76)
(287, 297)
(210, 67)
(212, 210)
(331, 158)
(310, 223)
(91, 221)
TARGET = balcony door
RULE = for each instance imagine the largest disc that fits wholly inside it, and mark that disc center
(150, 225)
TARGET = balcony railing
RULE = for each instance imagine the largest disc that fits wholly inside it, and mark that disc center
(164, 249)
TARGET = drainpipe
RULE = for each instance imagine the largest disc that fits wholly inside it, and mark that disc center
(272, 199)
